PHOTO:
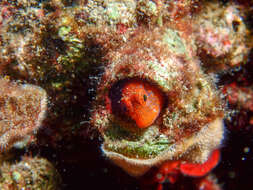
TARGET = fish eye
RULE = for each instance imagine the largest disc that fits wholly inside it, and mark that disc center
(145, 97)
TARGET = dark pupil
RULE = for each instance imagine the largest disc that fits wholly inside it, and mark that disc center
(235, 25)
(145, 97)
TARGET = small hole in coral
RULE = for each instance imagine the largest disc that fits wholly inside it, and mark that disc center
(235, 25)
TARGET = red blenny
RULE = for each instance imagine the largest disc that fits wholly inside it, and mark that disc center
(143, 102)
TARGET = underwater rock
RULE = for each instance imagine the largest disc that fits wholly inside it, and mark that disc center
(22, 110)
(30, 173)
(222, 43)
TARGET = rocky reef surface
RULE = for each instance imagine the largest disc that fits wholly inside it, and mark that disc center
(103, 93)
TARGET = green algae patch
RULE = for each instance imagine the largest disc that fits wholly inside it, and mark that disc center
(74, 52)
(164, 75)
(64, 32)
(148, 8)
(173, 40)
(146, 144)
(117, 133)
(113, 11)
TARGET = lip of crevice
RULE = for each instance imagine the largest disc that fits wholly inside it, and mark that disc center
(145, 143)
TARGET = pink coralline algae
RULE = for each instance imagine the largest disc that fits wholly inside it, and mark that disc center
(222, 41)
(22, 110)
(239, 96)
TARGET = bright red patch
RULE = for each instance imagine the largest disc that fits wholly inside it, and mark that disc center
(121, 28)
(198, 170)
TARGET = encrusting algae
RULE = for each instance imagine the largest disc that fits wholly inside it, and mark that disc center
(134, 77)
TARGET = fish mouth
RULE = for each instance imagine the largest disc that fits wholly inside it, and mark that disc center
(138, 144)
